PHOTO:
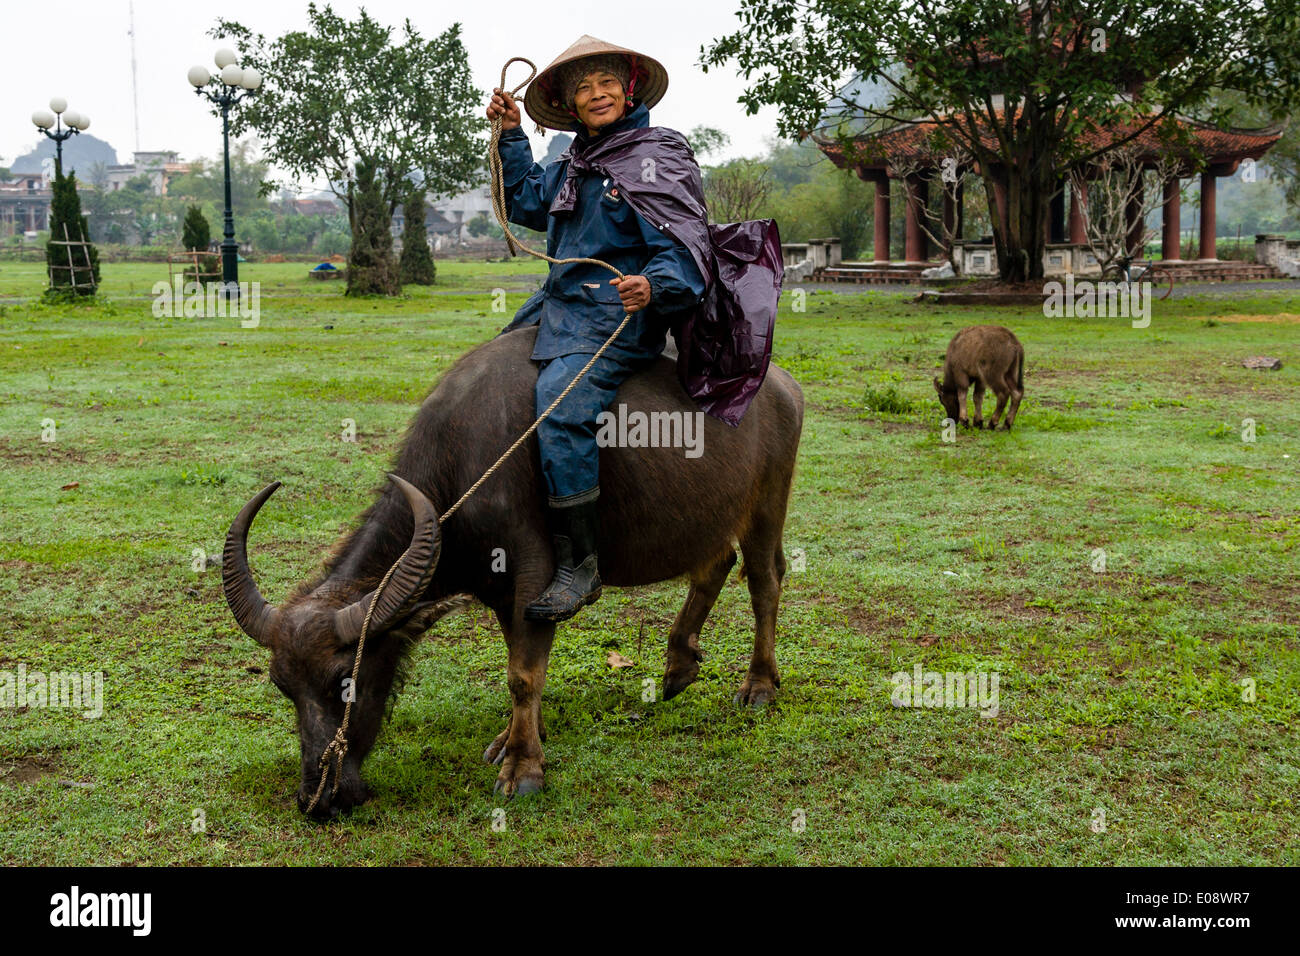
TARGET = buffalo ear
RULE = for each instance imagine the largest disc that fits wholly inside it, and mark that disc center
(938, 385)
(427, 613)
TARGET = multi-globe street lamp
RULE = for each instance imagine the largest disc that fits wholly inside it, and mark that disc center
(225, 89)
(66, 123)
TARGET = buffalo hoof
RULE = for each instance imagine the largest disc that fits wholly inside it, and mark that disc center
(755, 693)
(521, 786)
(683, 665)
(674, 684)
(676, 681)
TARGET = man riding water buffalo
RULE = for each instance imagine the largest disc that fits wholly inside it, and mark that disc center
(630, 194)
(599, 91)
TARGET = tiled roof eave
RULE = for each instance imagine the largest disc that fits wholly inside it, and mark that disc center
(1220, 145)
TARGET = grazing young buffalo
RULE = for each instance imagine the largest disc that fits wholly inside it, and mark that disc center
(663, 513)
(990, 357)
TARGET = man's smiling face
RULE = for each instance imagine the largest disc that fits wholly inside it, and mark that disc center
(599, 100)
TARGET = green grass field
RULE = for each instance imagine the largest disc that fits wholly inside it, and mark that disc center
(1126, 732)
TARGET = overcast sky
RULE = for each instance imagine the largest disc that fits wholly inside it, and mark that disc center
(80, 49)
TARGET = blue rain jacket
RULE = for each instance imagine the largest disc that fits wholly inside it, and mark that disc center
(577, 308)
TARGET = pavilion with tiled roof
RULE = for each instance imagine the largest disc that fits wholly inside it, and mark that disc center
(873, 157)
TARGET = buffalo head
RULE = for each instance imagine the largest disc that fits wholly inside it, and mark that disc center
(313, 643)
(948, 399)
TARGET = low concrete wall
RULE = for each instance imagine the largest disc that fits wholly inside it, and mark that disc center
(1059, 258)
(803, 259)
(1279, 252)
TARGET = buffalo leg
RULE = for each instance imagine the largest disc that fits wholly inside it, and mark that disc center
(520, 753)
(765, 569)
(684, 656)
(1017, 393)
(978, 421)
(496, 751)
(997, 412)
(961, 406)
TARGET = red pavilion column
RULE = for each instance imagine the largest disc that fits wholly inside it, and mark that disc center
(882, 218)
(1209, 195)
(1170, 234)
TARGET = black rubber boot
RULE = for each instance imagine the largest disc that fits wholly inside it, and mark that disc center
(576, 582)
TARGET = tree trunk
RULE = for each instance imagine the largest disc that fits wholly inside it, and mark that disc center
(1018, 234)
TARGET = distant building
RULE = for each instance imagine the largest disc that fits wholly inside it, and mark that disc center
(24, 204)
(442, 232)
(161, 166)
(460, 210)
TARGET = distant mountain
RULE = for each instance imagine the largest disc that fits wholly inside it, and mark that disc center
(870, 93)
(79, 153)
(555, 145)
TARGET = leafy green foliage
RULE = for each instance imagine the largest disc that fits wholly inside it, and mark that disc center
(886, 399)
(483, 225)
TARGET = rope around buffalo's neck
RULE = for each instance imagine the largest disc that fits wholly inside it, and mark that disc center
(339, 745)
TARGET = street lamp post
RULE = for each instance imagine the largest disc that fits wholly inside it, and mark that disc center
(226, 89)
(57, 116)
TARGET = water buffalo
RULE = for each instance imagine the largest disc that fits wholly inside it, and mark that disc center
(989, 356)
(662, 514)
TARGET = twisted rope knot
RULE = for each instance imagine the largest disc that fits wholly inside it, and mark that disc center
(338, 745)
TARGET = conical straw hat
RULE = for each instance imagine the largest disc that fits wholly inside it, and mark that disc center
(542, 100)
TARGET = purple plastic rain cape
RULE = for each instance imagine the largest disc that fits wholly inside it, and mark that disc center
(724, 345)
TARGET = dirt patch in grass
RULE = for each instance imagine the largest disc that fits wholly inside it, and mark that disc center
(1212, 381)
(1012, 606)
(862, 618)
(27, 769)
(37, 450)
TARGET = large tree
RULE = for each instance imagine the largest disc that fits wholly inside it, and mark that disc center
(1016, 86)
(342, 93)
